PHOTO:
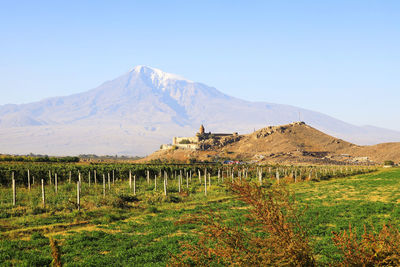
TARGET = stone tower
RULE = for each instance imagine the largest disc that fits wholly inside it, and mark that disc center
(201, 129)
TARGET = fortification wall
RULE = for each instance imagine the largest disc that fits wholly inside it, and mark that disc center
(181, 146)
(192, 139)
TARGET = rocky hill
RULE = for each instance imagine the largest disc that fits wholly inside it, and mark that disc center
(292, 143)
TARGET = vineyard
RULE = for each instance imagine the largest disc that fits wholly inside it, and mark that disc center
(123, 214)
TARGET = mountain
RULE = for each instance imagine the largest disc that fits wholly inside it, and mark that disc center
(136, 112)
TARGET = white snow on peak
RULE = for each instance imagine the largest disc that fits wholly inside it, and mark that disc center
(158, 76)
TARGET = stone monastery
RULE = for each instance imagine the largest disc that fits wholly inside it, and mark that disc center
(199, 141)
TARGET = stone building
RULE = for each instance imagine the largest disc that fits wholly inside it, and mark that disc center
(195, 142)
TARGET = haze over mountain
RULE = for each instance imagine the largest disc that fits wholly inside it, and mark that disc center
(136, 112)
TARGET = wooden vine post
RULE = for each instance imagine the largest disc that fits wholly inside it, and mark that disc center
(130, 180)
(43, 195)
(78, 195)
(104, 185)
(29, 181)
(165, 186)
(79, 179)
(55, 183)
(205, 184)
(277, 176)
(14, 190)
(134, 184)
(179, 183)
(199, 177)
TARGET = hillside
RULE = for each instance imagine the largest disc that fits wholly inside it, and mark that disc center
(136, 112)
(291, 143)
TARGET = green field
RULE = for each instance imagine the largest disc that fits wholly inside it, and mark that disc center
(120, 229)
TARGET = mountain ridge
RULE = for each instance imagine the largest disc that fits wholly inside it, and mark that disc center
(137, 111)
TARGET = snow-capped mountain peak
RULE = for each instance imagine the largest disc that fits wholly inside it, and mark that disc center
(158, 77)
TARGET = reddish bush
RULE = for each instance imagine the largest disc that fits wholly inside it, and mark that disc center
(272, 236)
(373, 249)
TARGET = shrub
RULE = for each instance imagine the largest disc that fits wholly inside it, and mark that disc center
(37, 236)
(173, 199)
(388, 163)
(381, 249)
(184, 142)
(272, 236)
(122, 201)
(55, 253)
(153, 209)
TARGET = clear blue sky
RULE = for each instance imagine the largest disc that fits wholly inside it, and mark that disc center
(341, 58)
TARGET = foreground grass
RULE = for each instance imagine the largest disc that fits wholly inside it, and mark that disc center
(371, 200)
(143, 233)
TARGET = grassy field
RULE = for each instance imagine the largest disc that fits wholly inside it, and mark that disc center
(119, 230)
(370, 199)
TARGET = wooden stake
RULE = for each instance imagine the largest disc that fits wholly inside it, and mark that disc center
(95, 178)
(14, 190)
(79, 179)
(43, 195)
(134, 184)
(205, 184)
(109, 182)
(165, 186)
(179, 183)
(130, 180)
(70, 175)
(29, 181)
(277, 176)
(78, 197)
(55, 183)
(199, 177)
(89, 178)
(104, 185)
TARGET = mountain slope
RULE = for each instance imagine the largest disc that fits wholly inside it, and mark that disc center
(136, 112)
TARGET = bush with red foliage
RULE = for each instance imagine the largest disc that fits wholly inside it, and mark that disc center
(373, 249)
(273, 234)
